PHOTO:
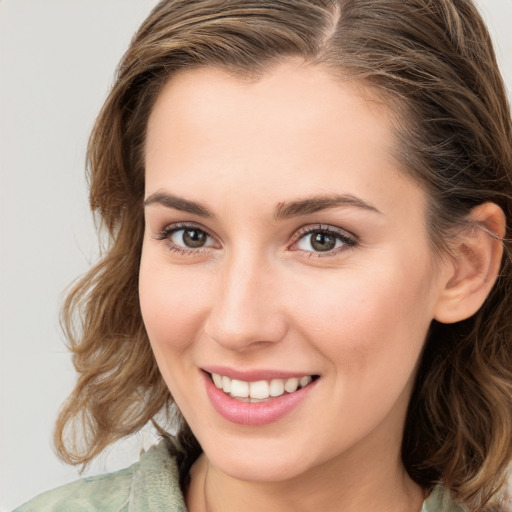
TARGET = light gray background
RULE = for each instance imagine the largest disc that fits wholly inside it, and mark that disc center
(57, 60)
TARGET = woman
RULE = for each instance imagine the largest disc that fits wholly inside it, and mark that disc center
(307, 204)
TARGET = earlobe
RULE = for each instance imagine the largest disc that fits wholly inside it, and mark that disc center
(473, 265)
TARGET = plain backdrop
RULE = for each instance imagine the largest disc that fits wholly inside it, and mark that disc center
(57, 62)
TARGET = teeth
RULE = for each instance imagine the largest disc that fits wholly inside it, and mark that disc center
(261, 389)
(304, 381)
(276, 387)
(217, 379)
(291, 385)
(226, 384)
(239, 388)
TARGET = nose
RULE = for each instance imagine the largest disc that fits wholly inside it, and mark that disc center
(247, 311)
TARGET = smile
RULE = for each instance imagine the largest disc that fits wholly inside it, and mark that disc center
(260, 398)
(261, 389)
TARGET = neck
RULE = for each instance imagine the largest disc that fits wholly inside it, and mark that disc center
(334, 486)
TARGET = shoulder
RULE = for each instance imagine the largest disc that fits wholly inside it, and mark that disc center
(440, 500)
(104, 492)
(152, 484)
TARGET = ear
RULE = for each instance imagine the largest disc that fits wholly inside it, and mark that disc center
(473, 266)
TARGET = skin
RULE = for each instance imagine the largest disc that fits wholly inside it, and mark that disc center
(258, 296)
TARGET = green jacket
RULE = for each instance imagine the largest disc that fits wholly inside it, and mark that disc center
(151, 485)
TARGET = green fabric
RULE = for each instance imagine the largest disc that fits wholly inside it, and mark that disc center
(151, 485)
(439, 500)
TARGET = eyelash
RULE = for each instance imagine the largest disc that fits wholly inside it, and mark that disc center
(166, 234)
(348, 240)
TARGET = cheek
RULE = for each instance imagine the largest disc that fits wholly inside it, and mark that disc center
(361, 317)
(172, 304)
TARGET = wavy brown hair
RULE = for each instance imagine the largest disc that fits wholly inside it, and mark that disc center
(432, 61)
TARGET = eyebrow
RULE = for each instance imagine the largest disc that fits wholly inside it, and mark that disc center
(284, 210)
(319, 203)
(178, 203)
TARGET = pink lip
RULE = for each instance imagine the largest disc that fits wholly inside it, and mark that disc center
(253, 375)
(255, 413)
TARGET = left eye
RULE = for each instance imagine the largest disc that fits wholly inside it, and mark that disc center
(191, 238)
(322, 240)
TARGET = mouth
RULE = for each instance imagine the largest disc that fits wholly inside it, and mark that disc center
(260, 390)
(258, 397)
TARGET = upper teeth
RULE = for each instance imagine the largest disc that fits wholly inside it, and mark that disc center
(260, 389)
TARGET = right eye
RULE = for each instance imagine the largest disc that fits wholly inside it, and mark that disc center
(191, 238)
(186, 239)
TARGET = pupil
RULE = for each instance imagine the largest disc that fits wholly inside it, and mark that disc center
(194, 238)
(323, 241)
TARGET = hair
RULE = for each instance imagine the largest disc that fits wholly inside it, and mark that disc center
(432, 61)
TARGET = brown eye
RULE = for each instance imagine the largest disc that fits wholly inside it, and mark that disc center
(190, 238)
(322, 241)
(194, 238)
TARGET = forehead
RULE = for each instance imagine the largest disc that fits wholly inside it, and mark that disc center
(293, 131)
(291, 90)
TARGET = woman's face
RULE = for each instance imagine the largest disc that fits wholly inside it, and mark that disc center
(283, 247)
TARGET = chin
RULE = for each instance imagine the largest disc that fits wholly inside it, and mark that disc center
(251, 461)
(256, 471)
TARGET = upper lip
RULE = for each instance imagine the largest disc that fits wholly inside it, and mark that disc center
(254, 375)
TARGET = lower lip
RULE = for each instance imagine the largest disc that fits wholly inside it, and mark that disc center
(254, 413)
